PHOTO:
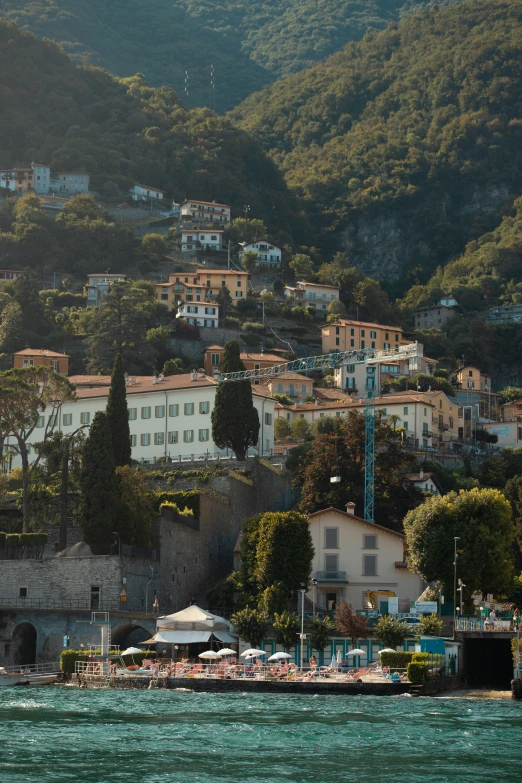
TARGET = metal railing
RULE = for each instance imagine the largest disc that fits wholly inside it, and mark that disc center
(484, 625)
(33, 668)
(73, 604)
(331, 576)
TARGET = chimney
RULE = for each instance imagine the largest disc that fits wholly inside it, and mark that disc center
(421, 473)
(350, 508)
(201, 372)
(193, 375)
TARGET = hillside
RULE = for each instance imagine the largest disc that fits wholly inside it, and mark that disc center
(406, 145)
(83, 119)
(249, 43)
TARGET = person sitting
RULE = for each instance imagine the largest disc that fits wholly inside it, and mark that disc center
(313, 662)
(396, 677)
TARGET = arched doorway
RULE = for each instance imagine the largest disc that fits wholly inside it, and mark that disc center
(24, 644)
(129, 635)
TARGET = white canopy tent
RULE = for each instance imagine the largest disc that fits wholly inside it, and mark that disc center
(192, 625)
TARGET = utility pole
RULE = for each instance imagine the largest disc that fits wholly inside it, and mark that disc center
(247, 210)
(456, 538)
(229, 255)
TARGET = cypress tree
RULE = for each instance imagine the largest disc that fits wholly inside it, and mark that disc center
(235, 421)
(99, 485)
(118, 415)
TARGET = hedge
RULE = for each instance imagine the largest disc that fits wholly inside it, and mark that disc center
(188, 499)
(23, 539)
(68, 658)
(417, 671)
(396, 660)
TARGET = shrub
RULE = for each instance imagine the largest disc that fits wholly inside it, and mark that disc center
(417, 671)
(396, 660)
(68, 658)
(420, 657)
(253, 326)
(188, 499)
(251, 339)
(231, 322)
(186, 512)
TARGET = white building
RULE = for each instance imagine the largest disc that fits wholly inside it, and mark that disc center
(316, 294)
(426, 482)
(36, 179)
(352, 377)
(205, 211)
(98, 287)
(146, 193)
(267, 254)
(353, 556)
(168, 417)
(70, 182)
(41, 178)
(192, 239)
(204, 314)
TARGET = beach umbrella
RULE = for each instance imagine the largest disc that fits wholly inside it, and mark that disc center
(356, 651)
(339, 656)
(252, 653)
(279, 656)
(209, 654)
(226, 651)
(131, 651)
(333, 663)
(386, 649)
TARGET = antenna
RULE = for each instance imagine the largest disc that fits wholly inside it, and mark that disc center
(212, 88)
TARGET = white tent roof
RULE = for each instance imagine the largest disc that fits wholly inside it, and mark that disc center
(191, 637)
(192, 619)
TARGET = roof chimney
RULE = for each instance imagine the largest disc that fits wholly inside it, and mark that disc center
(421, 473)
(193, 375)
(350, 508)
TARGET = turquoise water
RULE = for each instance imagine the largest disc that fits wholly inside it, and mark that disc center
(62, 735)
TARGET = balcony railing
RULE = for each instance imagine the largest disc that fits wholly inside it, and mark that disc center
(401, 564)
(331, 576)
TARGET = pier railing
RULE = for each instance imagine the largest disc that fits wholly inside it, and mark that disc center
(73, 604)
(33, 668)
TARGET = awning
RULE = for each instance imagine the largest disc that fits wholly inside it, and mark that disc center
(223, 636)
(182, 637)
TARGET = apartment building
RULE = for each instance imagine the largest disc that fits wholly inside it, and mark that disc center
(193, 239)
(70, 182)
(146, 193)
(294, 385)
(204, 211)
(473, 390)
(433, 316)
(267, 253)
(98, 286)
(10, 274)
(203, 286)
(352, 377)
(353, 556)
(36, 357)
(213, 357)
(168, 417)
(345, 334)
(315, 294)
(206, 315)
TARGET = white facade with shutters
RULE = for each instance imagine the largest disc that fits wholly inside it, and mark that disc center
(199, 314)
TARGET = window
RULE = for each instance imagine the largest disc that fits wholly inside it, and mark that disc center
(54, 365)
(369, 565)
(405, 410)
(386, 336)
(214, 359)
(279, 387)
(370, 542)
(67, 419)
(405, 425)
(40, 422)
(22, 593)
(159, 411)
(337, 341)
(239, 294)
(133, 414)
(373, 335)
(145, 413)
(350, 368)
(362, 343)
(28, 362)
(303, 388)
(85, 418)
(352, 343)
(425, 411)
(268, 419)
(337, 330)
(396, 338)
(188, 436)
(331, 564)
(373, 343)
(203, 435)
(352, 332)
(362, 333)
(132, 440)
(173, 410)
(173, 437)
(204, 407)
(145, 439)
(159, 438)
(331, 538)
(188, 409)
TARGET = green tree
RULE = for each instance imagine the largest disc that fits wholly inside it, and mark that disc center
(224, 300)
(511, 393)
(513, 493)
(173, 367)
(159, 337)
(321, 631)
(391, 632)
(430, 625)
(118, 415)
(302, 267)
(25, 395)
(99, 511)
(241, 230)
(349, 623)
(281, 428)
(235, 421)
(300, 429)
(286, 627)
(11, 327)
(154, 246)
(137, 506)
(284, 550)
(251, 625)
(249, 260)
(481, 518)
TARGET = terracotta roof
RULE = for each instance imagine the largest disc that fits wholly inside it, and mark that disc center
(290, 376)
(144, 384)
(40, 352)
(347, 322)
(330, 394)
(358, 519)
(318, 285)
(210, 203)
(353, 402)
(148, 187)
(266, 357)
(216, 271)
(418, 477)
(100, 380)
(214, 348)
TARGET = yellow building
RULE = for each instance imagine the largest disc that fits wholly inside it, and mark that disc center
(344, 335)
(203, 286)
(470, 378)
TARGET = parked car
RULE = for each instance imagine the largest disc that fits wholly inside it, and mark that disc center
(411, 620)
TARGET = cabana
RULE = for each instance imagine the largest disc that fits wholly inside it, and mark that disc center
(192, 625)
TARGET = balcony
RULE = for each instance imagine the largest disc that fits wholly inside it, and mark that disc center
(427, 434)
(331, 576)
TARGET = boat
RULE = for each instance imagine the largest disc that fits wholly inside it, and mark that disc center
(34, 674)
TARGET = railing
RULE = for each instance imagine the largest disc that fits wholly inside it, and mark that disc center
(72, 604)
(331, 576)
(401, 564)
(33, 668)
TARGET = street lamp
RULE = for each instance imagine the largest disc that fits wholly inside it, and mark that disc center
(456, 538)
(460, 589)
(314, 595)
(114, 533)
(302, 635)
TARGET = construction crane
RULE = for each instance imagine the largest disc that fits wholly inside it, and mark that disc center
(372, 358)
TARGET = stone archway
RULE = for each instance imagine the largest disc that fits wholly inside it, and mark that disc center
(129, 635)
(23, 644)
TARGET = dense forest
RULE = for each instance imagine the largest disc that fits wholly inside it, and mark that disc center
(248, 42)
(406, 145)
(122, 131)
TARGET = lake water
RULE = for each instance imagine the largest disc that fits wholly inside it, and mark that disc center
(63, 735)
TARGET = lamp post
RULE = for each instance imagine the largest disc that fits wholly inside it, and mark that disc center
(302, 635)
(460, 589)
(314, 595)
(481, 610)
(147, 589)
(456, 538)
(114, 533)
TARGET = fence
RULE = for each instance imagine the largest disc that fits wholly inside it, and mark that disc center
(73, 605)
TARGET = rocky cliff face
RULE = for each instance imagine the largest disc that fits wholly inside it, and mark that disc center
(388, 244)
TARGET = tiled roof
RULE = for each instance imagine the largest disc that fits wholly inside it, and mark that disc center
(330, 394)
(357, 519)
(418, 477)
(40, 352)
(209, 203)
(291, 376)
(144, 384)
(347, 322)
(318, 285)
(216, 271)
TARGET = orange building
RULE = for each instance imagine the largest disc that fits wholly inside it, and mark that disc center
(252, 361)
(203, 286)
(345, 334)
(32, 357)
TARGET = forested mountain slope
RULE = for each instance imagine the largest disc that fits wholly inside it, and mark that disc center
(83, 119)
(407, 144)
(249, 42)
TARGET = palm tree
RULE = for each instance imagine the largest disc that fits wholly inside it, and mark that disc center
(394, 418)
